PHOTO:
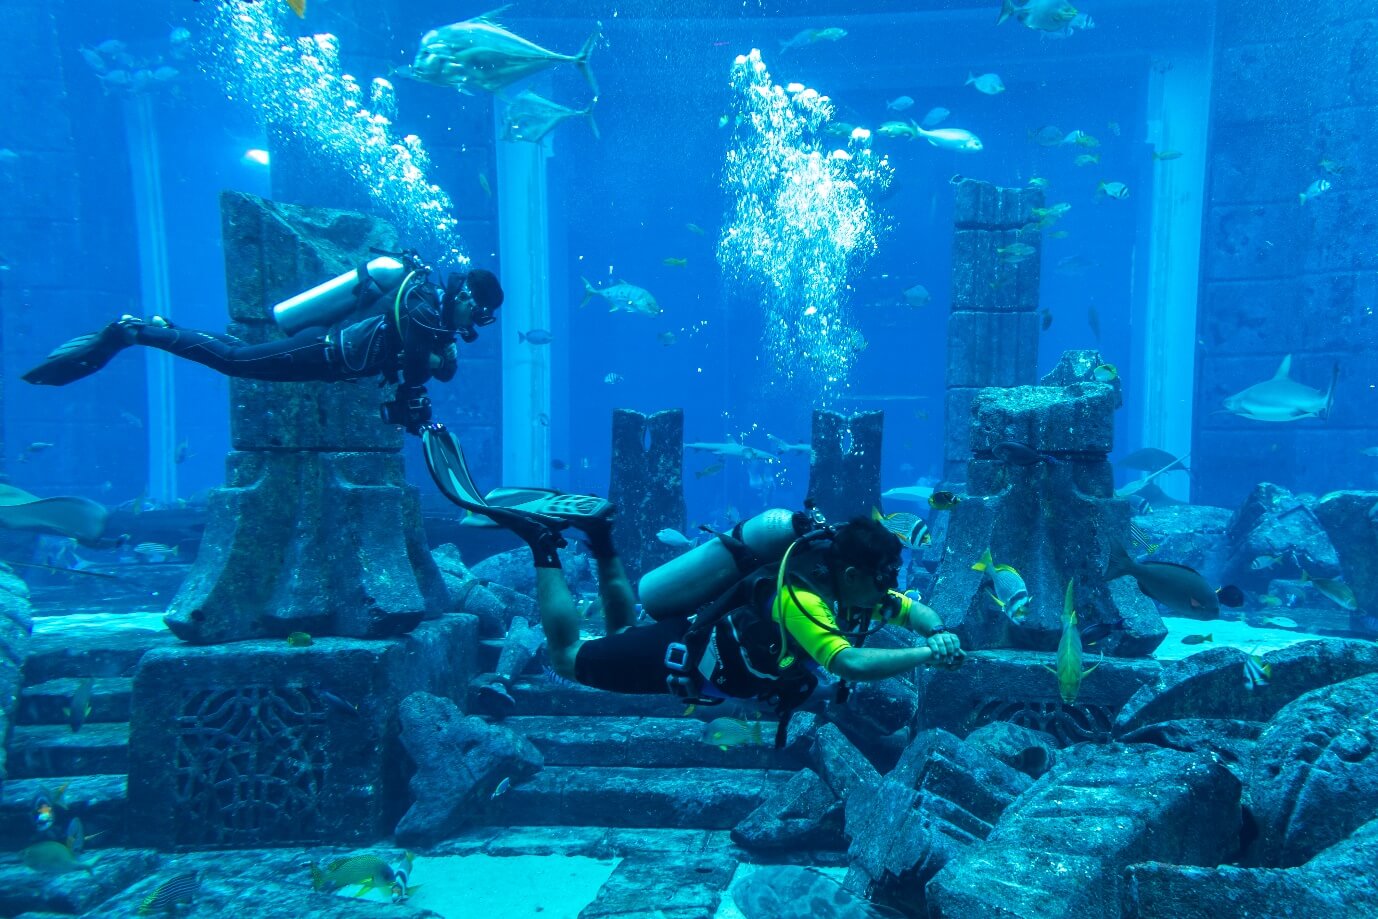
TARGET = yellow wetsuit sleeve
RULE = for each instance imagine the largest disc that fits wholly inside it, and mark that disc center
(812, 631)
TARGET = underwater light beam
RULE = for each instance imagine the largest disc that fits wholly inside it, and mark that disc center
(801, 222)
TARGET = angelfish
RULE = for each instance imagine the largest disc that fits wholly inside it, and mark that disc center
(1282, 398)
(1069, 673)
(1010, 592)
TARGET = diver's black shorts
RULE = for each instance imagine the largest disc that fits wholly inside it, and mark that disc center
(629, 662)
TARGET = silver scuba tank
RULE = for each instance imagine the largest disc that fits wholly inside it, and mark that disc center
(701, 575)
(328, 303)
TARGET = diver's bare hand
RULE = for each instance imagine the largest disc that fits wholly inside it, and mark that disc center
(946, 647)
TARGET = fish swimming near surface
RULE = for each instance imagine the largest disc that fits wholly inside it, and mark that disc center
(910, 528)
(1178, 587)
(1039, 15)
(1282, 398)
(1068, 672)
(623, 298)
(178, 891)
(480, 54)
(530, 118)
(1010, 593)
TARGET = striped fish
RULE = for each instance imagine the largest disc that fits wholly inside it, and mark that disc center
(1256, 673)
(910, 528)
(155, 551)
(171, 893)
(731, 732)
(1010, 591)
(1140, 537)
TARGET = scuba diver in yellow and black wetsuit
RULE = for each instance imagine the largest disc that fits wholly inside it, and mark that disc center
(757, 613)
(408, 342)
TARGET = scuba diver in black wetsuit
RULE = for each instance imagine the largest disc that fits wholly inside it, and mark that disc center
(762, 612)
(410, 342)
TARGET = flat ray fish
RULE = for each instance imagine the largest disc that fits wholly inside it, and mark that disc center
(531, 117)
(1282, 398)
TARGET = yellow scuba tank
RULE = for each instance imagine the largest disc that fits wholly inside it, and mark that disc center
(328, 303)
(701, 575)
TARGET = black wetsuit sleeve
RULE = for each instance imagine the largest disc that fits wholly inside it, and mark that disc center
(422, 336)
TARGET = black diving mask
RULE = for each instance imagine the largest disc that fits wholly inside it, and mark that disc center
(457, 296)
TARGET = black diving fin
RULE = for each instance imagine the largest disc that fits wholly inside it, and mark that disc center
(553, 509)
(80, 357)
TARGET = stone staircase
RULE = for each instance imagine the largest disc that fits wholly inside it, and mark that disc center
(44, 752)
(629, 761)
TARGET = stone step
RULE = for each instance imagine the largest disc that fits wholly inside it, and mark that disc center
(40, 750)
(687, 798)
(44, 703)
(102, 645)
(540, 696)
(97, 799)
(667, 743)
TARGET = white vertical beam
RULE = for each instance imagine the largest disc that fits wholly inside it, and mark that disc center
(1178, 119)
(524, 253)
(141, 134)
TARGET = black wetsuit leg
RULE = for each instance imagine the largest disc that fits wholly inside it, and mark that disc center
(303, 357)
(629, 662)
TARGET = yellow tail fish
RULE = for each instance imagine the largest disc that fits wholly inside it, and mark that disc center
(1069, 673)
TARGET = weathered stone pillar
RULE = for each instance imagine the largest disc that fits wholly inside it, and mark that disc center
(647, 485)
(844, 477)
(316, 529)
(1052, 521)
(16, 626)
(992, 333)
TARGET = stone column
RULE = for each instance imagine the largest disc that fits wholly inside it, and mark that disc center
(316, 529)
(844, 476)
(647, 485)
(992, 333)
(1052, 521)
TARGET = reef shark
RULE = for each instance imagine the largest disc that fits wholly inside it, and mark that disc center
(1282, 398)
(741, 451)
